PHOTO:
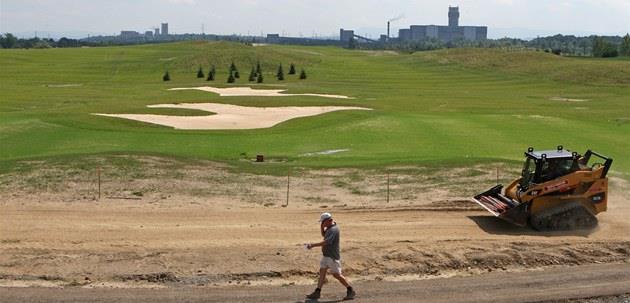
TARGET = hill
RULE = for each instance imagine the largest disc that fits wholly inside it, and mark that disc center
(442, 107)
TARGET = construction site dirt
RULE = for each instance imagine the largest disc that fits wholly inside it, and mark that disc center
(162, 223)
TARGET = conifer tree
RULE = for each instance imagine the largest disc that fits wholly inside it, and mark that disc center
(258, 69)
(292, 69)
(252, 75)
(303, 75)
(625, 46)
(280, 74)
(166, 77)
(200, 72)
(260, 78)
(231, 78)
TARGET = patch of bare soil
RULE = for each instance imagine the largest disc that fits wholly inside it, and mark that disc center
(610, 299)
(162, 222)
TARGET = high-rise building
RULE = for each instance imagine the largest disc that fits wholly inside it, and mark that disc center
(164, 29)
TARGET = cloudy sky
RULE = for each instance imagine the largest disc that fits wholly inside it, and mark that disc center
(514, 18)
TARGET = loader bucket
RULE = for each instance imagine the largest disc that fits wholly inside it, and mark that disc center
(503, 207)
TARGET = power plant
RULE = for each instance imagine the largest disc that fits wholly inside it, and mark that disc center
(444, 33)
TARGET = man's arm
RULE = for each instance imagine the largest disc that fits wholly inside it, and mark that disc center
(311, 245)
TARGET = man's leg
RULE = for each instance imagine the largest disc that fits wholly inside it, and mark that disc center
(322, 277)
(350, 294)
(341, 279)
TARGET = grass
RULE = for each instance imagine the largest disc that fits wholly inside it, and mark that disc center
(447, 107)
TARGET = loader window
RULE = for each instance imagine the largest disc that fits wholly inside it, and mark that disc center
(529, 171)
(552, 169)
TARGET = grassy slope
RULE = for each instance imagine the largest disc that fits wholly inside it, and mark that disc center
(447, 106)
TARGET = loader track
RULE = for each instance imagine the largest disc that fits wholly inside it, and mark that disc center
(570, 216)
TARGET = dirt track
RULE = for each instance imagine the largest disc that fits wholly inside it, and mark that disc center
(556, 283)
(60, 239)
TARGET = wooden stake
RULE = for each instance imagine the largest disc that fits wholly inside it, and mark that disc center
(98, 173)
(497, 175)
(388, 187)
(288, 185)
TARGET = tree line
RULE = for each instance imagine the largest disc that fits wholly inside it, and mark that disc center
(595, 46)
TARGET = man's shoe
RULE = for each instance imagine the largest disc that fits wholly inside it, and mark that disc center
(314, 296)
(350, 294)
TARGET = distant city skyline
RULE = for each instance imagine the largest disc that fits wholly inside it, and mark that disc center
(513, 18)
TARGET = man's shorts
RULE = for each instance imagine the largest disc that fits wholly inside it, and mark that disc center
(334, 266)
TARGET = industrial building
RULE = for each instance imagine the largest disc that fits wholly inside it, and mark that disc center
(452, 32)
(129, 34)
(444, 33)
(164, 29)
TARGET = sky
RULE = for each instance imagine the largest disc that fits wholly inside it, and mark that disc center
(511, 18)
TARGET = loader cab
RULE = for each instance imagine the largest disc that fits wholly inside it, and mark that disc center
(543, 166)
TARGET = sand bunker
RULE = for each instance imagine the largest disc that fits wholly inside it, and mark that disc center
(64, 85)
(567, 99)
(230, 116)
(248, 91)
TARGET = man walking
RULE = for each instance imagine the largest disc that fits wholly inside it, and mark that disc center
(331, 261)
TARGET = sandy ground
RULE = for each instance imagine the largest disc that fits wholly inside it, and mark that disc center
(230, 116)
(248, 91)
(162, 223)
(577, 284)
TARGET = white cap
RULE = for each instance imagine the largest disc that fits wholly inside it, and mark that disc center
(324, 217)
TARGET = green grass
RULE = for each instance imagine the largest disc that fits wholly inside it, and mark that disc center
(446, 107)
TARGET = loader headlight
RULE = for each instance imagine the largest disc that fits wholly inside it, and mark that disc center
(598, 198)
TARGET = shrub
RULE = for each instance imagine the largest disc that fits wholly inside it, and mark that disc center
(252, 75)
(280, 74)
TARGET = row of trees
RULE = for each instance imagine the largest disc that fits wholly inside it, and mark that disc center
(256, 74)
(597, 46)
(10, 41)
(604, 49)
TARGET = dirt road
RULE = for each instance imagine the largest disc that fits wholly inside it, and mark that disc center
(108, 245)
(551, 284)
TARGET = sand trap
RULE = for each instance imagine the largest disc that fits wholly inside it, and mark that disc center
(64, 85)
(230, 116)
(325, 152)
(567, 99)
(248, 91)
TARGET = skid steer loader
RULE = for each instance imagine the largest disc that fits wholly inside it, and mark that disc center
(557, 190)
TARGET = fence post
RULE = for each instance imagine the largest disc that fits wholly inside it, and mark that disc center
(288, 185)
(98, 173)
(497, 175)
(388, 187)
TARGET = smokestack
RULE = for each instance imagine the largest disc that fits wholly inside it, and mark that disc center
(387, 30)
